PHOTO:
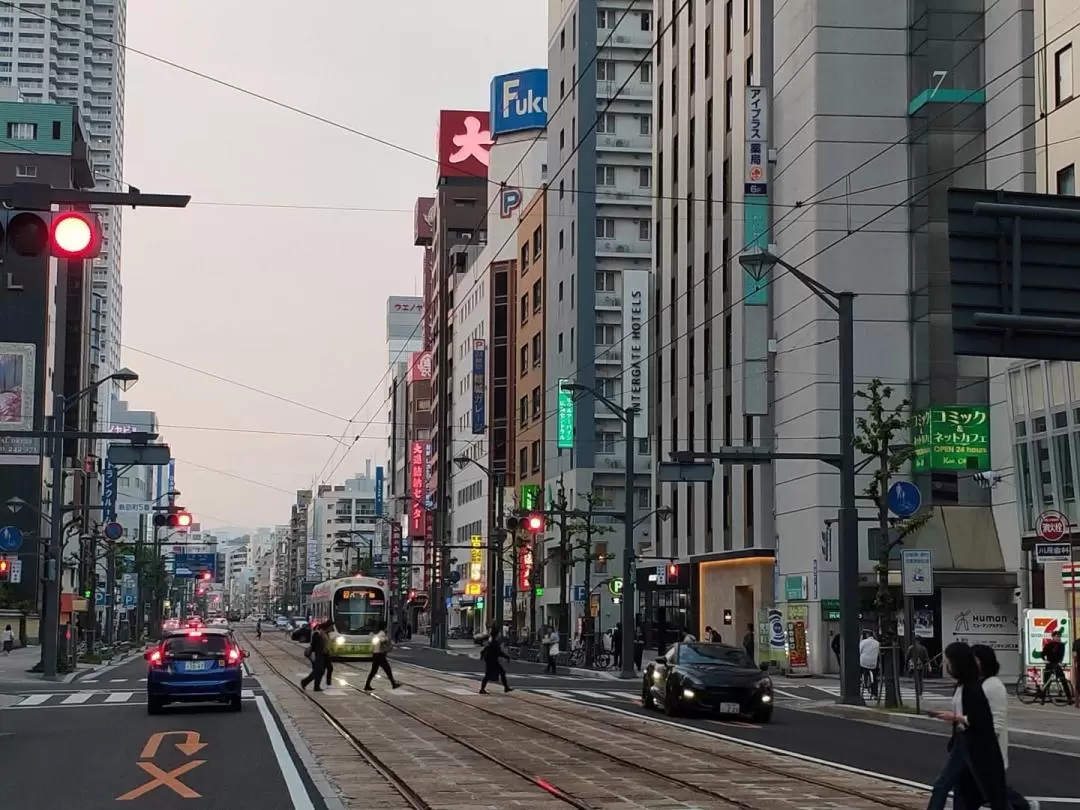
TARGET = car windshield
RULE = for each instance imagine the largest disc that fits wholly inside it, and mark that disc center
(716, 654)
(358, 611)
(185, 646)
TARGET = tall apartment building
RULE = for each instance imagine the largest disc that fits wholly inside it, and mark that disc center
(845, 180)
(345, 529)
(599, 246)
(72, 52)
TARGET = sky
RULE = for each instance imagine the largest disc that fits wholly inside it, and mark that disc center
(222, 299)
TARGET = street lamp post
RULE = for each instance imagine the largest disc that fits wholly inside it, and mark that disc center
(629, 568)
(498, 531)
(759, 263)
(50, 636)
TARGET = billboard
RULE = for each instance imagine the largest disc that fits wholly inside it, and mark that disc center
(403, 314)
(187, 566)
(378, 491)
(636, 347)
(417, 481)
(420, 366)
(519, 101)
(464, 142)
(479, 387)
(424, 221)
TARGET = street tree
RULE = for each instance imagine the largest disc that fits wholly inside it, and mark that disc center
(882, 435)
(584, 530)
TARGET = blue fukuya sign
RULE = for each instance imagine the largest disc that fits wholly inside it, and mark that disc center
(519, 101)
(479, 387)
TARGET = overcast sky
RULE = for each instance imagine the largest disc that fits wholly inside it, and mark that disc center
(286, 300)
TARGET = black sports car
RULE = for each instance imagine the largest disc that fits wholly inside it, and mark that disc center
(714, 678)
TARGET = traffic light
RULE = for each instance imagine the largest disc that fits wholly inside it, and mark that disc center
(62, 234)
(534, 523)
(673, 571)
(205, 575)
(5, 570)
(175, 518)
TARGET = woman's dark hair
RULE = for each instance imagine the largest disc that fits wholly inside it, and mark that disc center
(962, 663)
(987, 658)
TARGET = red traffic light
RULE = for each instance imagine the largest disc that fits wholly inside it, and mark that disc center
(205, 575)
(673, 570)
(183, 519)
(4, 567)
(534, 523)
(74, 235)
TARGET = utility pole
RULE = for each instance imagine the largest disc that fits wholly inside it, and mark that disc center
(588, 624)
(140, 579)
(500, 542)
(560, 507)
(110, 592)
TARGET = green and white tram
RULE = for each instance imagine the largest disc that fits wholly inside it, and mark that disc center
(357, 606)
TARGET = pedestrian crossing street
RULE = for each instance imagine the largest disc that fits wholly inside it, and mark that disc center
(52, 700)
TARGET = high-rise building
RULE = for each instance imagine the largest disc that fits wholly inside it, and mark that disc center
(346, 532)
(72, 52)
(599, 247)
(846, 181)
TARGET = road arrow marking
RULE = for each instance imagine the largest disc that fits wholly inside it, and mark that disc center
(189, 747)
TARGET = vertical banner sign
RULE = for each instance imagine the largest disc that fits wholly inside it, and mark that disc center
(566, 417)
(378, 491)
(405, 565)
(756, 188)
(479, 388)
(108, 493)
(395, 558)
(172, 478)
(636, 353)
(476, 558)
(429, 540)
(417, 481)
(525, 568)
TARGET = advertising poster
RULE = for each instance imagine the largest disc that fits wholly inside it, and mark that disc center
(1039, 626)
(798, 658)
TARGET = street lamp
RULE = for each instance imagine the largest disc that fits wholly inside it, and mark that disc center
(759, 263)
(498, 530)
(50, 637)
(628, 604)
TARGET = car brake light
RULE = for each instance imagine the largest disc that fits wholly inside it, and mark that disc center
(155, 657)
(234, 655)
(194, 633)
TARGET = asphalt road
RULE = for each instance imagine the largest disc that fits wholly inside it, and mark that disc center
(905, 754)
(115, 755)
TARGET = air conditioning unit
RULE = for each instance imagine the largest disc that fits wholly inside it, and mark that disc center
(622, 142)
(621, 248)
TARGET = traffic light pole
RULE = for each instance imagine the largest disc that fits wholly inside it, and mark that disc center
(629, 594)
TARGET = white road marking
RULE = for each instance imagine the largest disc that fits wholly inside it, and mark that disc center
(142, 680)
(78, 697)
(119, 697)
(34, 700)
(791, 695)
(116, 680)
(597, 695)
(247, 693)
(89, 680)
(458, 690)
(297, 792)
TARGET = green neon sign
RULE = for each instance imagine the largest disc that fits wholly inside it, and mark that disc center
(529, 496)
(952, 438)
(566, 417)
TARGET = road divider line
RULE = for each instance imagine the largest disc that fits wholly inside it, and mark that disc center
(295, 785)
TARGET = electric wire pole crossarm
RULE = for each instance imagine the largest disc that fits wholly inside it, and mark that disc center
(626, 415)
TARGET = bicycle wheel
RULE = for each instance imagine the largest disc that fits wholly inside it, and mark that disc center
(1026, 690)
(602, 661)
(1058, 694)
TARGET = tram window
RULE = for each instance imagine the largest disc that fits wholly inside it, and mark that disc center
(358, 611)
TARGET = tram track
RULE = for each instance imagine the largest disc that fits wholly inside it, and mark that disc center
(388, 773)
(632, 765)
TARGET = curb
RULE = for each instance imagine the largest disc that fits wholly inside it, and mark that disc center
(1028, 738)
(100, 669)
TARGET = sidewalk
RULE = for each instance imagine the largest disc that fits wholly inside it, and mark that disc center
(1055, 728)
(15, 667)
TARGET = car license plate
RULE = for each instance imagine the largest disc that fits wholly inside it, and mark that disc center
(729, 708)
(195, 666)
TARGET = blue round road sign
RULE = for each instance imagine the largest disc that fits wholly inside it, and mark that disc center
(904, 499)
(11, 538)
(113, 531)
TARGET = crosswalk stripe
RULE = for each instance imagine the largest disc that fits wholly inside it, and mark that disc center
(599, 695)
(119, 697)
(78, 697)
(34, 700)
(459, 690)
(247, 693)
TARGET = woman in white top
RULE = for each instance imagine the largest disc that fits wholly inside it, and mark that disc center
(8, 639)
(998, 699)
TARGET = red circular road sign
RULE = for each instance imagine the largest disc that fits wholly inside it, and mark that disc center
(1052, 525)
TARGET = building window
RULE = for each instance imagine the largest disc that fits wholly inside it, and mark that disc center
(644, 230)
(645, 176)
(606, 334)
(727, 105)
(537, 396)
(605, 175)
(21, 132)
(605, 443)
(538, 298)
(536, 456)
(523, 411)
(537, 351)
(645, 124)
(524, 307)
(605, 124)
(605, 281)
(646, 21)
(1066, 180)
(645, 73)
(605, 70)
(538, 242)
(1063, 76)
(30, 171)
(523, 462)
(605, 228)
(523, 361)
(746, 16)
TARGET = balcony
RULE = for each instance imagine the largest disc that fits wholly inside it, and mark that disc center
(626, 248)
(629, 38)
(609, 354)
(633, 91)
(612, 195)
(633, 143)
(608, 300)
(616, 462)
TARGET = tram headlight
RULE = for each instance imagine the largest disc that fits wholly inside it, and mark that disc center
(339, 641)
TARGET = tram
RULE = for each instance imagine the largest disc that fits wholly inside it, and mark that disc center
(357, 606)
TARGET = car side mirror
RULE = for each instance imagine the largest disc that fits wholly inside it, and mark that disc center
(764, 667)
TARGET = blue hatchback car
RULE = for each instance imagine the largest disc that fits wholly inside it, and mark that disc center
(195, 666)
